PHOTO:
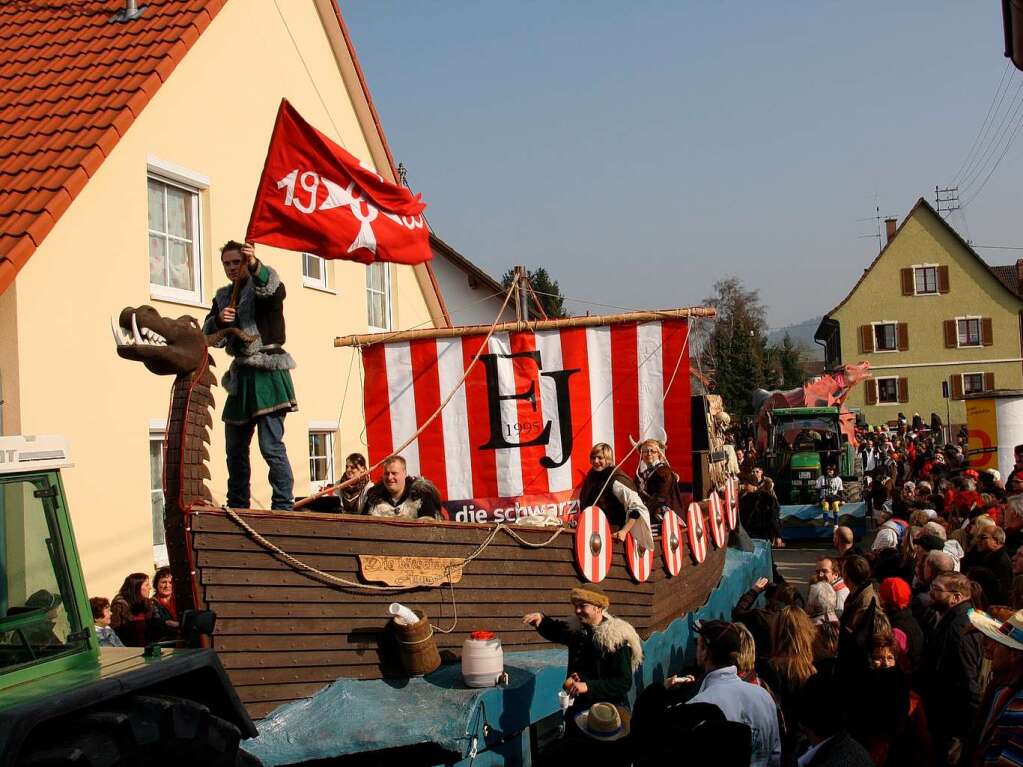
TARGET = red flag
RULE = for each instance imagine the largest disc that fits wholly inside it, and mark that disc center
(317, 198)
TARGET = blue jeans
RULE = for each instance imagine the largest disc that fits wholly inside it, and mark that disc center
(271, 444)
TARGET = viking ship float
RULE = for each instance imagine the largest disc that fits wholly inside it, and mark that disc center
(302, 596)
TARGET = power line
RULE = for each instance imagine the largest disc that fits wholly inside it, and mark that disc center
(991, 110)
(998, 247)
(993, 145)
(1008, 145)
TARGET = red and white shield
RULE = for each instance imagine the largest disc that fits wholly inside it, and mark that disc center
(671, 542)
(732, 502)
(640, 561)
(718, 526)
(697, 532)
(593, 544)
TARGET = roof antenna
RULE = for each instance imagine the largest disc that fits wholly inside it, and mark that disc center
(129, 12)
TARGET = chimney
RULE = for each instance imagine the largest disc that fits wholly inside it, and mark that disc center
(1019, 275)
(889, 228)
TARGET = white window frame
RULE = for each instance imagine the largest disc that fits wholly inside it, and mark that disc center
(877, 389)
(322, 283)
(157, 432)
(873, 330)
(980, 332)
(962, 382)
(936, 290)
(330, 432)
(195, 184)
(386, 292)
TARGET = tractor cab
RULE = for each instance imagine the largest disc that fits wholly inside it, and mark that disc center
(802, 443)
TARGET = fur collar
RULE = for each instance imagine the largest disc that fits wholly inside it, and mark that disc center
(611, 634)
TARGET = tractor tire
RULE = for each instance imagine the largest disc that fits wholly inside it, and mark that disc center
(853, 490)
(138, 731)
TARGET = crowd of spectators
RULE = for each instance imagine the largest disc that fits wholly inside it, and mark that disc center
(139, 613)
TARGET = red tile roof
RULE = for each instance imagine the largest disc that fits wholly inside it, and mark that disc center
(72, 81)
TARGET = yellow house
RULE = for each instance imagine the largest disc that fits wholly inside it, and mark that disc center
(131, 151)
(934, 321)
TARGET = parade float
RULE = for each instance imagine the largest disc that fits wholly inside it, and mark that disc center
(501, 419)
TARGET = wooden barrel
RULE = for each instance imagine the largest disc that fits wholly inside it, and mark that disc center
(417, 647)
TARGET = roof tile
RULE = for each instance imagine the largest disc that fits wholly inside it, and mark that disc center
(71, 84)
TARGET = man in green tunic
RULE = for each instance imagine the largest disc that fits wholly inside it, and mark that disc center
(258, 384)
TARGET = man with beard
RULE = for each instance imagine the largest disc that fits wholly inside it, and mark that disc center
(951, 667)
(615, 494)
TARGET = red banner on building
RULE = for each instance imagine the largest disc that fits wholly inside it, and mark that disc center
(516, 437)
(314, 197)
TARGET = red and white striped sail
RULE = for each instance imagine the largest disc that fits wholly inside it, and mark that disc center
(516, 438)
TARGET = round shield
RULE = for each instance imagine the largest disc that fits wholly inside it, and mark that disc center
(671, 543)
(593, 545)
(732, 502)
(640, 561)
(718, 528)
(697, 532)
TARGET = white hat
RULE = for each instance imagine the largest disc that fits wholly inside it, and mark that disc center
(1009, 633)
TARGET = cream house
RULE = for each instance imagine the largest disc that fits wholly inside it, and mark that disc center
(124, 173)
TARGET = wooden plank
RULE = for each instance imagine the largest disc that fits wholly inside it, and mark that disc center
(294, 524)
(368, 643)
(322, 674)
(307, 626)
(285, 691)
(553, 598)
(349, 569)
(259, 558)
(369, 609)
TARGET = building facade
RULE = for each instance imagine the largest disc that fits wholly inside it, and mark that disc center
(934, 321)
(130, 206)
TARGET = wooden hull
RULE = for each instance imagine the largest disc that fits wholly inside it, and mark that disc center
(282, 634)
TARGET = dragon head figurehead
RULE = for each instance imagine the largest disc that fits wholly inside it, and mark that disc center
(165, 346)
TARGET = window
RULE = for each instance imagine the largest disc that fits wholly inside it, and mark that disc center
(969, 331)
(38, 610)
(926, 279)
(973, 383)
(314, 272)
(378, 296)
(887, 390)
(156, 434)
(174, 241)
(885, 337)
(321, 459)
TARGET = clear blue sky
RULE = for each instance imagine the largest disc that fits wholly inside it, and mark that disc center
(640, 151)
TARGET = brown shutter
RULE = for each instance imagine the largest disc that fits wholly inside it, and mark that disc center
(986, 333)
(903, 390)
(907, 282)
(951, 334)
(871, 392)
(957, 385)
(903, 334)
(943, 279)
(866, 338)
(989, 382)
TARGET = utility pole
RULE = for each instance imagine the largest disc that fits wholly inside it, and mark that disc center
(946, 199)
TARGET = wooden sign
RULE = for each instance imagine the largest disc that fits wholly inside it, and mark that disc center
(411, 571)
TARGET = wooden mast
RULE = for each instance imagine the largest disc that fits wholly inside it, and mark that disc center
(588, 321)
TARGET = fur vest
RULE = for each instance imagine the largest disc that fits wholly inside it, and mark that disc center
(614, 633)
(420, 499)
(260, 314)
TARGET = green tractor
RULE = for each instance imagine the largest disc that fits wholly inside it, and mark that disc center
(802, 442)
(64, 700)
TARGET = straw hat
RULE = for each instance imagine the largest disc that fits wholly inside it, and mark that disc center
(604, 721)
(1009, 633)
